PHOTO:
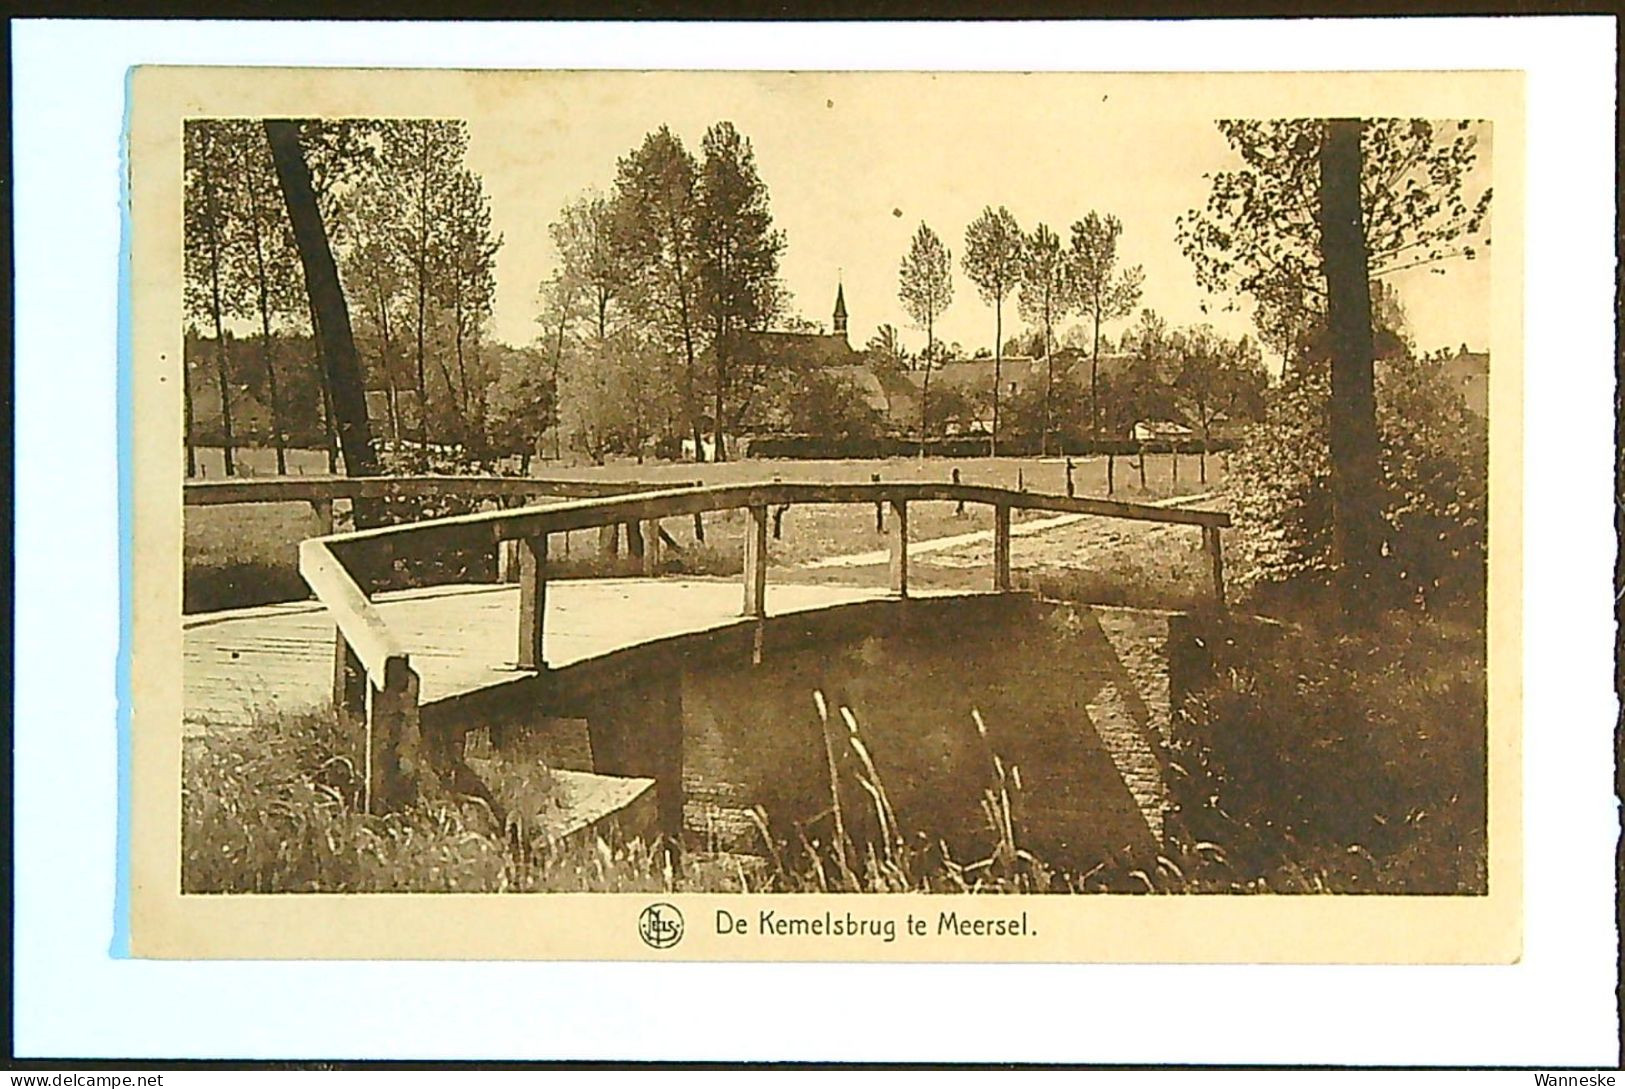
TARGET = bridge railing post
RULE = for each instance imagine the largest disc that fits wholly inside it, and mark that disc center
(532, 601)
(1001, 547)
(349, 679)
(651, 547)
(899, 547)
(1215, 552)
(756, 563)
(392, 725)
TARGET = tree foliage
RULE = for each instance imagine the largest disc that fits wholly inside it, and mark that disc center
(739, 262)
(1258, 235)
(1047, 295)
(1433, 459)
(925, 287)
(993, 261)
(1102, 291)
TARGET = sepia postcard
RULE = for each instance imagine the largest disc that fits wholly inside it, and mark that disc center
(848, 516)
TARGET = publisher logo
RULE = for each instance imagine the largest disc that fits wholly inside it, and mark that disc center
(660, 926)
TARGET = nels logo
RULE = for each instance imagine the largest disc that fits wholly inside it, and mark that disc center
(660, 926)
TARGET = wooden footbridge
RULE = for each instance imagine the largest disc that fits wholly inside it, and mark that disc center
(398, 662)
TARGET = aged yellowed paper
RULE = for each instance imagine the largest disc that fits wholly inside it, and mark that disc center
(761, 516)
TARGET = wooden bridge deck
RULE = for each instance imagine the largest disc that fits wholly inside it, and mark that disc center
(242, 664)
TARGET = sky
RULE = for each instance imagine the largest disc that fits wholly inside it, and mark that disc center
(855, 162)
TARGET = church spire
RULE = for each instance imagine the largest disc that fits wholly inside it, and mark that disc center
(840, 309)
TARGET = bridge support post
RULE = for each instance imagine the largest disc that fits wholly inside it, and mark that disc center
(638, 730)
(899, 547)
(651, 547)
(1001, 548)
(508, 561)
(324, 516)
(532, 601)
(392, 726)
(609, 540)
(1215, 552)
(349, 679)
(756, 563)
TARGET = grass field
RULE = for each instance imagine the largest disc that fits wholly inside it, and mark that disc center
(247, 554)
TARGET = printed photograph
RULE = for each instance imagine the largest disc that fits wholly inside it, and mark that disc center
(762, 483)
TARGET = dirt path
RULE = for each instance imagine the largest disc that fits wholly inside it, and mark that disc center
(979, 543)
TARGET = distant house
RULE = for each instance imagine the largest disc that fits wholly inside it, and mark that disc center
(1469, 372)
(1161, 431)
(897, 394)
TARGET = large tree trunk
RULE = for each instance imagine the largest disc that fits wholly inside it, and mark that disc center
(327, 301)
(1356, 511)
(329, 435)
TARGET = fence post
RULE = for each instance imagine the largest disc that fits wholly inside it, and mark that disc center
(392, 722)
(699, 527)
(1111, 472)
(959, 505)
(1070, 489)
(1001, 548)
(899, 547)
(1215, 552)
(349, 679)
(880, 508)
(532, 601)
(756, 563)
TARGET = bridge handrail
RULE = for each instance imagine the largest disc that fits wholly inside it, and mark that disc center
(205, 493)
(359, 621)
(330, 564)
(522, 522)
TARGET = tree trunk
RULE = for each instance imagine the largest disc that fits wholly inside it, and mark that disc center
(1094, 379)
(327, 300)
(925, 388)
(186, 401)
(389, 375)
(1049, 388)
(330, 436)
(277, 437)
(998, 371)
(1356, 512)
(718, 452)
(263, 291)
(222, 366)
(222, 353)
